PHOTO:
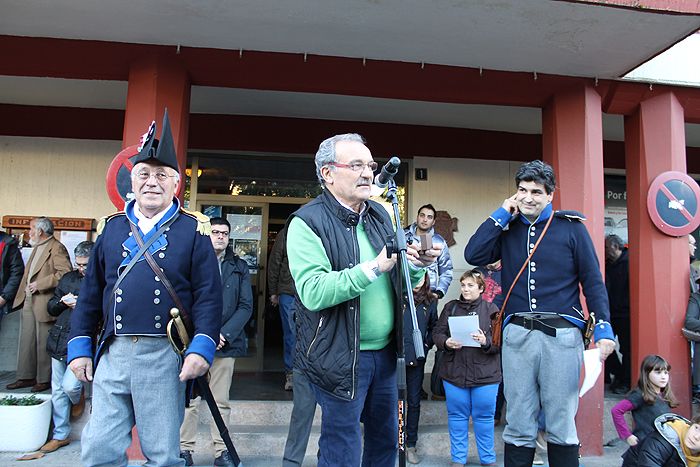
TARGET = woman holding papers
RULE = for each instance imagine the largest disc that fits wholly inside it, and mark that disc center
(471, 369)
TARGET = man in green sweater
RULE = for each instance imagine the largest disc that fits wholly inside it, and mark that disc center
(346, 293)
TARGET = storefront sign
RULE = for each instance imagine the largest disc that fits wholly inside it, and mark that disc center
(673, 202)
(616, 207)
(59, 223)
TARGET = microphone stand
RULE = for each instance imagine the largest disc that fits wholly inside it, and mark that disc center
(403, 288)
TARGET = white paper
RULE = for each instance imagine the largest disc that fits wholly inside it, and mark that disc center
(617, 349)
(592, 366)
(70, 240)
(462, 328)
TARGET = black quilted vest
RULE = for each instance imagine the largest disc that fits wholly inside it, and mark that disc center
(328, 341)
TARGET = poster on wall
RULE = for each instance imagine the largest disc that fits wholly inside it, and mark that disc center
(245, 226)
(616, 207)
(247, 250)
(246, 233)
(212, 211)
(70, 240)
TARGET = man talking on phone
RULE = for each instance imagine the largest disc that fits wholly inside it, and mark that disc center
(545, 255)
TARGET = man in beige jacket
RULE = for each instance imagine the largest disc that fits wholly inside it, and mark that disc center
(48, 262)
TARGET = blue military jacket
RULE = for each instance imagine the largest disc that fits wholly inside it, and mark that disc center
(550, 283)
(141, 305)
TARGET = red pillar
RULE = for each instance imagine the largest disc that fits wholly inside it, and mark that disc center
(572, 137)
(156, 83)
(659, 283)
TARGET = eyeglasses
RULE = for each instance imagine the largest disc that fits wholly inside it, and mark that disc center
(81, 265)
(217, 233)
(356, 166)
(160, 175)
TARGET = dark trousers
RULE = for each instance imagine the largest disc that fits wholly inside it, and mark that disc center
(301, 421)
(375, 405)
(621, 371)
(500, 401)
(414, 384)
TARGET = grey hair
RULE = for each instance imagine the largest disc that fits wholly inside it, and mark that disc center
(83, 248)
(44, 224)
(326, 151)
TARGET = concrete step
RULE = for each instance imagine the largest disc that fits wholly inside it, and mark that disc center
(260, 428)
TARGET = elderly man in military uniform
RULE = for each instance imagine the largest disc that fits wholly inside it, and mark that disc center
(542, 347)
(140, 379)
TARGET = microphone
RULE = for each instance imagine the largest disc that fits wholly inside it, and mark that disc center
(388, 172)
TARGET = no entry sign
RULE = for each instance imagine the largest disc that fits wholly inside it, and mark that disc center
(673, 202)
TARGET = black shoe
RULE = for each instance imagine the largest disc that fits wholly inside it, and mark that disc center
(423, 395)
(224, 460)
(187, 455)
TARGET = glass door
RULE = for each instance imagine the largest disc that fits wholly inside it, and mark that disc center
(249, 225)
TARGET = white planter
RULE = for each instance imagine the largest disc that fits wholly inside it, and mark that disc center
(24, 428)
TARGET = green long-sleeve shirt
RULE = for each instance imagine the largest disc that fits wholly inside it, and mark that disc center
(319, 287)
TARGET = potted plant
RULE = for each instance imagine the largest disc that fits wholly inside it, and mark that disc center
(24, 421)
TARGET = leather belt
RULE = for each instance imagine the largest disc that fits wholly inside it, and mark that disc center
(545, 323)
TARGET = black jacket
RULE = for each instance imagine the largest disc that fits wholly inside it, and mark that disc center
(692, 313)
(468, 366)
(238, 305)
(11, 271)
(58, 334)
(617, 282)
(328, 341)
(661, 448)
(426, 315)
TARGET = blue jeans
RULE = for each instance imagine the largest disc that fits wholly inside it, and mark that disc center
(479, 402)
(414, 383)
(286, 304)
(375, 405)
(65, 390)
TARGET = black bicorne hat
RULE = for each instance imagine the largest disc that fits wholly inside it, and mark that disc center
(162, 150)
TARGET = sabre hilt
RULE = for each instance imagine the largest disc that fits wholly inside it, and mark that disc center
(179, 338)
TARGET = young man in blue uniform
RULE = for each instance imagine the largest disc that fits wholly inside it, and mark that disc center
(140, 379)
(542, 348)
